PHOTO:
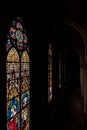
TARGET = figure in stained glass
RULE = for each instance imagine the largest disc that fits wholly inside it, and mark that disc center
(25, 119)
(25, 99)
(18, 80)
(13, 117)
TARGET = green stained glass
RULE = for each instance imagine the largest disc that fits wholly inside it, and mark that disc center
(18, 77)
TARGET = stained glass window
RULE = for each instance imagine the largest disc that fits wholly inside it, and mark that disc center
(18, 77)
(49, 73)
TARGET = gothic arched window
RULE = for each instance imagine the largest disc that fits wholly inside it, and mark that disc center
(18, 77)
(49, 73)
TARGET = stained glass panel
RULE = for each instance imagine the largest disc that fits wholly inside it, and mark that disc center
(13, 88)
(25, 113)
(18, 77)
(25, 121)
(24, 99)
(25, 84)
(49, 73)
(18, 34)
(13, 56)
(13, 115)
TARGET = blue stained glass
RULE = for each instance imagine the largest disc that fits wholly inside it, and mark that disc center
(17, 100)
(12, 33)
(25, 99)
(19, 36)
(13, 105)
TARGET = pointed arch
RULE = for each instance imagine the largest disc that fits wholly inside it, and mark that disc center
(12, 55)
(12, 70)
(25, 57)
(18, 77)
(13, 88)
(25, 86)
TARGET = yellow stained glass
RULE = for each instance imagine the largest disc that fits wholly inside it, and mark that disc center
(13, 56)
(13, 88)
(25, 57)
(10, 66)
(25, 118)
(25, 84)
(18, 79)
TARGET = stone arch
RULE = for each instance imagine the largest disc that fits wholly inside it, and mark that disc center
(80, 31)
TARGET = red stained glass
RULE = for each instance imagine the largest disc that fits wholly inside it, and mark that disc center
(18, 80)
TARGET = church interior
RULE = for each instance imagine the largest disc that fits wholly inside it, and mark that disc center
(43, 70)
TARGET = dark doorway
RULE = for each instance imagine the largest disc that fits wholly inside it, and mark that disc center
(73, 69)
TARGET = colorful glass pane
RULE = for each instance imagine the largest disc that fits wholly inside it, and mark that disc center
(49, 73)
(12, 32)
(13, 115)
(18, 34)
(19, 26)
(13, 88)
(13, 56)
(25, 119)
(12, 70)
(25, 99)
(25, 83)
(25, 57)
(18, 77)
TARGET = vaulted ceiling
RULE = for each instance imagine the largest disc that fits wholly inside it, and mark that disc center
(66, 36)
